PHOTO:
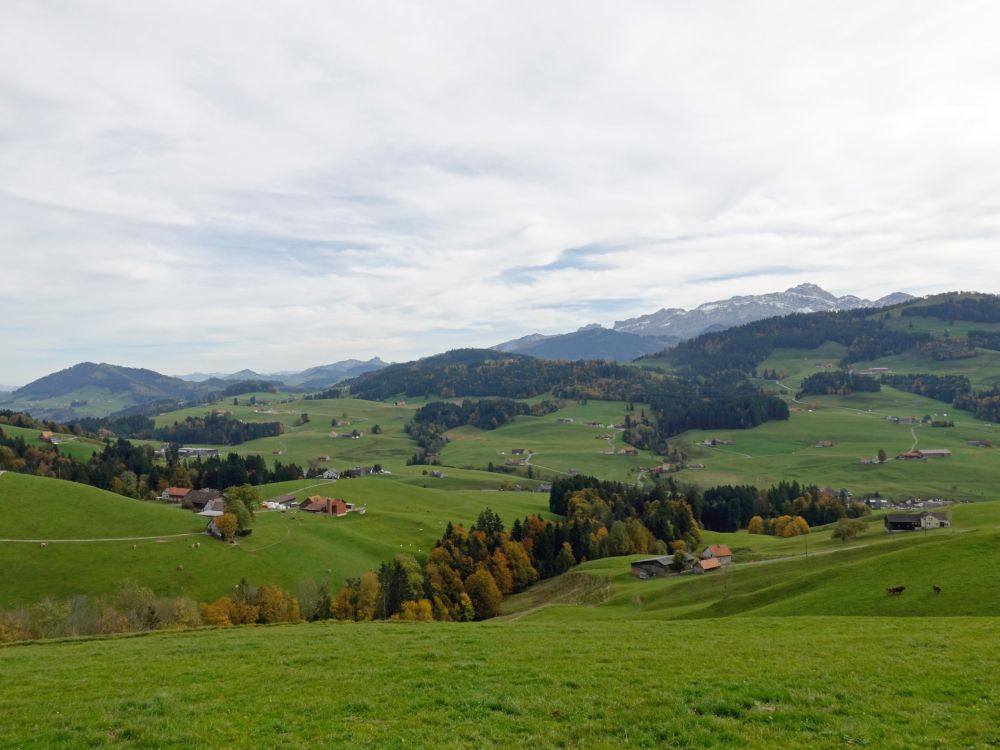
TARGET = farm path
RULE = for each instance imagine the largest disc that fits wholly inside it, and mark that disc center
(102, 539)
(785, 558)
(324, 483)
(527, 462)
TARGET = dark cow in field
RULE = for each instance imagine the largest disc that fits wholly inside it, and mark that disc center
(895, 590)
(937, 589)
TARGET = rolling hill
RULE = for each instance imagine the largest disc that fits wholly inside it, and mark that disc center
(97, 539)
(89, 389)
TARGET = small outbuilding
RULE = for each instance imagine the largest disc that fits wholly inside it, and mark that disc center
(707, 565)
(652, 567)
(719, 552)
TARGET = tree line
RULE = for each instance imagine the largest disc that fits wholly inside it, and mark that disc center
(836, 383)
(135, 471)
(732, 507)
(469, 571)
(978, 308)
(953, 389)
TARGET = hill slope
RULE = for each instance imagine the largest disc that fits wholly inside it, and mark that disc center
(590, 342)
(89, 389)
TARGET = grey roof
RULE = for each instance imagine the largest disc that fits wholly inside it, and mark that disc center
(665, 560)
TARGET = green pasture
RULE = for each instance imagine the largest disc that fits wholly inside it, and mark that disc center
(983, 370)
(100, 402)
(856, 425)
(760, 682)
(935, 326)
(808, 575)
(286, 548)
(794, 365)
(77, 447)
(556, 447)
(304, 444)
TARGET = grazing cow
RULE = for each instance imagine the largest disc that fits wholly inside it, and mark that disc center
(937, 589)
(180, 567)
(44, 544)
(895, 590)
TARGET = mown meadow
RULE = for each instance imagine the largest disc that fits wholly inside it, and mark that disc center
(762, 682)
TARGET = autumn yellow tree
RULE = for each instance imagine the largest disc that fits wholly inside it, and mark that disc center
(756, 525)
(368, 595)
(482, 590)
(227, 524)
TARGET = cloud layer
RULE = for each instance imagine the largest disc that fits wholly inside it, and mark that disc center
(211, 186)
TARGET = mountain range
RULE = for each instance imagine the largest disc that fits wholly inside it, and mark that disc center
(322, 376)
(647, 334)
(91, 389)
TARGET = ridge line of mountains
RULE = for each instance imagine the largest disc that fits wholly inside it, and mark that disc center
(667, 327)
(89, 389)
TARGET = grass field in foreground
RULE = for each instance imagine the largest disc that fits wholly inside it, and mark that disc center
(285, 548)
(812, 682)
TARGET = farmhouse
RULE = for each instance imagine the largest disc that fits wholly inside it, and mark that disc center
(197, 452)
(175, 494)
(330, 474)
(281, 501)
(719, 552)
(915, 521)
(628, 450)
(329, 505)
(45, 435)
(824, 444)
(705, 566)
(198, 499)
(909, 456)
(517, 451)
(652, 567)
(929, 520)
(934, 452)
(213, 508)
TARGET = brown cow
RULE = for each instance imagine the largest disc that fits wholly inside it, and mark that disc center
(895, 590)
(937, 589)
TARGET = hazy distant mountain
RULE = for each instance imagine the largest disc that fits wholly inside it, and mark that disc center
(316, 378)
(589, 342)
(722, 314)
(200, 377)
(325, 376)
(89, 389)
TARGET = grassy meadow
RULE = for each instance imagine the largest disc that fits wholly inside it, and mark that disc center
(78, 447)
(817, 682)
(286, 548)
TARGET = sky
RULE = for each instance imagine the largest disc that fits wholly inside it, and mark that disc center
(208, 186)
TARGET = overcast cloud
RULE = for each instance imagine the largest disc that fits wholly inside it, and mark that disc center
(212, 186)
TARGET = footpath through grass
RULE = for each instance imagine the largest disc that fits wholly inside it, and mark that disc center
(748, 683)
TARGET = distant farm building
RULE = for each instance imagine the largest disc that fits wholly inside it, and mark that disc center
(198, 499)
(45, 435)
(895, 522)
(565, 420)
(719, 552)
(197, 452)
(332, 506)
(923, 454)
(652, 567)
(706, 566)
(175, 494)
(824, 444)
(934, 452)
